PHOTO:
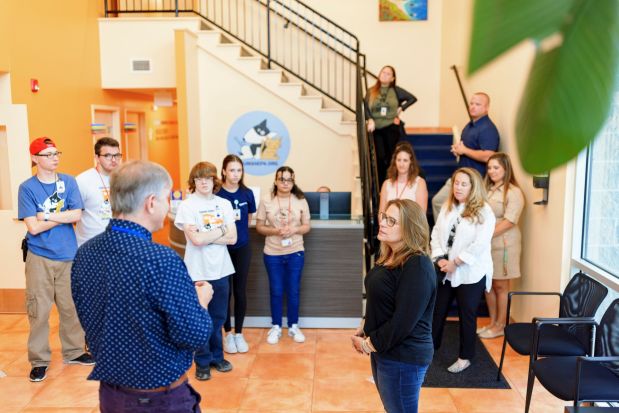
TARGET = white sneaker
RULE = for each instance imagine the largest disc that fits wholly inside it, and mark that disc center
(274, 334)
(241, 344)
(230, 344)
(459, 365)
(296, 334)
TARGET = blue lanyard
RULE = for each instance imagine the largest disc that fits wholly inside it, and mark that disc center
(129, 231)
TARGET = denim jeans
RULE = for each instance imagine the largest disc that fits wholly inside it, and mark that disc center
(285, 276)
(398, 383)
(218, 309)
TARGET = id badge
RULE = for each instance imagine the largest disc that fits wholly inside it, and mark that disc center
(383, 111)
(60, 186)
(237, 214)
(286, 242)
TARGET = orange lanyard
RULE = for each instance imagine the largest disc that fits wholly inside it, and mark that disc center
(106, 190)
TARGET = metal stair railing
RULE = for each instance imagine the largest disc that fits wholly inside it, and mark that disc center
(307, 45)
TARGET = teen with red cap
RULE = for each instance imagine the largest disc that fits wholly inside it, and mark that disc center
(49, 203)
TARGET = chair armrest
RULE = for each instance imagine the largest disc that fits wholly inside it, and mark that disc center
(540, 321)
(579, 361)
(534, 293)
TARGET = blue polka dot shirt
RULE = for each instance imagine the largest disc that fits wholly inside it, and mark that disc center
(138, 307)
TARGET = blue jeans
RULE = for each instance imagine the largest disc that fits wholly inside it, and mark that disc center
(398, 383)
(285, 275)
(218, 309)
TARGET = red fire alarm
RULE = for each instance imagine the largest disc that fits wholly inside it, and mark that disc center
(34, 85)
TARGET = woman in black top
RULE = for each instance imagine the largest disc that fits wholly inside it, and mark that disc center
(401, 290)
(383, 105)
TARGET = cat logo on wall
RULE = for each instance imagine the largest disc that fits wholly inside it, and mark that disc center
(260, 143)
(261, 140)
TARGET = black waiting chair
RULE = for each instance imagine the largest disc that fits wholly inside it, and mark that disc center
(581, 378)
(581, 298)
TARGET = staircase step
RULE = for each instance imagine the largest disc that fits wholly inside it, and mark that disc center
(430, 139)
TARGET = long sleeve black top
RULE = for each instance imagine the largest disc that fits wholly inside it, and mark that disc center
(399, 308)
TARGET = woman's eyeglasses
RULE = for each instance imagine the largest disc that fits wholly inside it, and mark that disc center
(286, 180)
(391, 221)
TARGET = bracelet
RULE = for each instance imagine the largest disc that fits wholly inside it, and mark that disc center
(46, 216)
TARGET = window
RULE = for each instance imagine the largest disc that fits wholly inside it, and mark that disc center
(600, 242)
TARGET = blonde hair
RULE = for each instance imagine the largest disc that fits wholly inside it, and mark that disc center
(477, 197)
(415, 235)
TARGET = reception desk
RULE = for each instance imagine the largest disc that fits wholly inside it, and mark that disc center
(332, 283)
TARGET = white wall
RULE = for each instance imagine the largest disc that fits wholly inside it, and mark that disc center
(412, 48)
(124, 39)
(14, 119)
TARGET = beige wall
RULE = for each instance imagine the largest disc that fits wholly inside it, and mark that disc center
(546, 229)
(147, 38)
(413, 48)
(318, 155)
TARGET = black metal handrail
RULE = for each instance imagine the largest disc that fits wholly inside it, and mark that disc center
(328, 58)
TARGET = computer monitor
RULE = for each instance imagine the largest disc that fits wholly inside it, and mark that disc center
(336, 205)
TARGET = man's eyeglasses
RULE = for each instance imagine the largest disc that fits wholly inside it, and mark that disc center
(286, 180)
(49, 155)
(391, 221)
(109, 156)
(202, 180)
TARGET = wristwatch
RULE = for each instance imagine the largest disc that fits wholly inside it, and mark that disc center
(46, 216)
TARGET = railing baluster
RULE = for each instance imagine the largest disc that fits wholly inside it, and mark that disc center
(268, 33)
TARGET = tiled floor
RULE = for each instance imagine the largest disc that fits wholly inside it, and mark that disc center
(321, 375)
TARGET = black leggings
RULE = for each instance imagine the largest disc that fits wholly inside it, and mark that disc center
(385, 140)
(467, 296)
(238, 286)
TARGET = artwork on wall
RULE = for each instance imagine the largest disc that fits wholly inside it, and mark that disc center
(402, 10)
(261, 140)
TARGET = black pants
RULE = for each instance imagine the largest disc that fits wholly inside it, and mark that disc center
(467, 296)
(238, 287)
(385, 140)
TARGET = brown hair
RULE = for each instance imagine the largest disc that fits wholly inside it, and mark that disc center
(227, 160)
(476, 199)
(413, 170)
(296, 191)
(203, 170)
(105, 141)
(375, 89)
(415, 235)
(509, 178)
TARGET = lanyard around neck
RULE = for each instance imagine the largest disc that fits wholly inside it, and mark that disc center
(130, 231)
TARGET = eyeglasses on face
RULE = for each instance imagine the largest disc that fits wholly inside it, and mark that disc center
(391, 221)
(286, 180)
(110, 156)
(203, 180)
(50, 155)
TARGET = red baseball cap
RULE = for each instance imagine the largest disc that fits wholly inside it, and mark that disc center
(40, 144)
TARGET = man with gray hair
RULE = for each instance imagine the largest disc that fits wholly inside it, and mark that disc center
(142, 315)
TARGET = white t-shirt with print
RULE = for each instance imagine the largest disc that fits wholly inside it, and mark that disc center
(95, 191)
(206, 262)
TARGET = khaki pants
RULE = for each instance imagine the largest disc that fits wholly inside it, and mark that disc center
(439, 199)
(49, 281)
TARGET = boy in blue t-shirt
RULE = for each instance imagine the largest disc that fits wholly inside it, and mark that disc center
(49, 203)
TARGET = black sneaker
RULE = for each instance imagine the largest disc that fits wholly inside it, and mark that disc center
(222, 366)
(85, 360)
(38, 373)
(203, 373)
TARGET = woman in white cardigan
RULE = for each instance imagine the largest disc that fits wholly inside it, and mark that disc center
(461, 245)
